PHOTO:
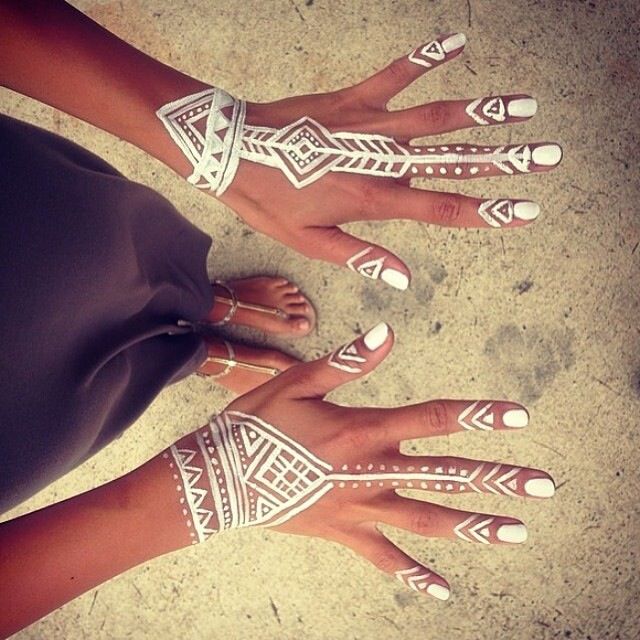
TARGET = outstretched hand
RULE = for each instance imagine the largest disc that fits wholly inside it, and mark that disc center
(311, 163)
(281, 456)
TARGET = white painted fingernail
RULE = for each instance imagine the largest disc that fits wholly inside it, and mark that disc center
(395, 278)
(515, 418)
(540, 487)
(438, 591)
(522, 107)
(513, 533)
(548, 155)
(454, 42)
(376, 337)
(526, 210)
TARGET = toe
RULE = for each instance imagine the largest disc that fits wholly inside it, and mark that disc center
(298, 309)
(300, 324)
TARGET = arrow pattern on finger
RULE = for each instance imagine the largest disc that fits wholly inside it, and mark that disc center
(416, 578)
(477, 416)
(474, 529)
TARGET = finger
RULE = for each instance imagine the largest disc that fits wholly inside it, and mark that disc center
(452, 209)
(445, 475)
(388, 558)
(437, 521)
(383, 85)
(368, 260)
(442, 417)
(350, 361)
(459, 161)
(452, 115)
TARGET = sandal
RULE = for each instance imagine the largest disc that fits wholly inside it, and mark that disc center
(231, 362)
(234, 304)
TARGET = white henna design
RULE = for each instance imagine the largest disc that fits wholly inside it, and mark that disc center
(435, 52)
(369, 268)
(487, 110)
(427, 54)
(475, 528)
(373, 268)
(477, 416)
(347, 358)
(207, 127)
(497, 213)
(416, 578)
(240, 471)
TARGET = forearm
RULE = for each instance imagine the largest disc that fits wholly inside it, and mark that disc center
(53, 555)
(57, 55)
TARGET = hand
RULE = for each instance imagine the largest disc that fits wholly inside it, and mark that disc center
(355, 177)
(284, 457)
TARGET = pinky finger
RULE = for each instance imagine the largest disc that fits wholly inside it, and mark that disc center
(387, 557)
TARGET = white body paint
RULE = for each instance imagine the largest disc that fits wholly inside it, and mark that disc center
(477, 416)
(370, 267)
(209, 127)
(497, 213)
(478, 527)
(494, 110)
(417, 578)
(240, 471)
(347, 358)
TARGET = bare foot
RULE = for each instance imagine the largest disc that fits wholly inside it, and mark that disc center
(296, 318)
(240, 378)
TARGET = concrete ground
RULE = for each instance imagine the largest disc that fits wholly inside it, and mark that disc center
(547, 315)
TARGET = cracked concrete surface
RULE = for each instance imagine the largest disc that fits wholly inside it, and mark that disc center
(547, 315)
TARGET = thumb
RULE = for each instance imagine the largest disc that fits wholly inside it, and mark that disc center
(350, 361)
(369, 260)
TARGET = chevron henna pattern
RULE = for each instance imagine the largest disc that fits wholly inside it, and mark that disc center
(421, 580)
(477, 416)
(416, 578)
(475, 528)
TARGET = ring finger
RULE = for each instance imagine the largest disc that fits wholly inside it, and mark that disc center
(433, 520)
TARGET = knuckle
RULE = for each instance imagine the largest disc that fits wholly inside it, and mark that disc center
(434, 416)
(421, 522)
(400, 71)
(436, 115)
(360, 438)
(370, 197)
(312, 250)
(385, 560)
(447, 208)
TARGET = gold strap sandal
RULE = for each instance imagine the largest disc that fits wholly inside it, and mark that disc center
(230, 363)
(235, 304)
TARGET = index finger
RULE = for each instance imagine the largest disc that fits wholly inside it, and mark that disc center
(385, 84)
